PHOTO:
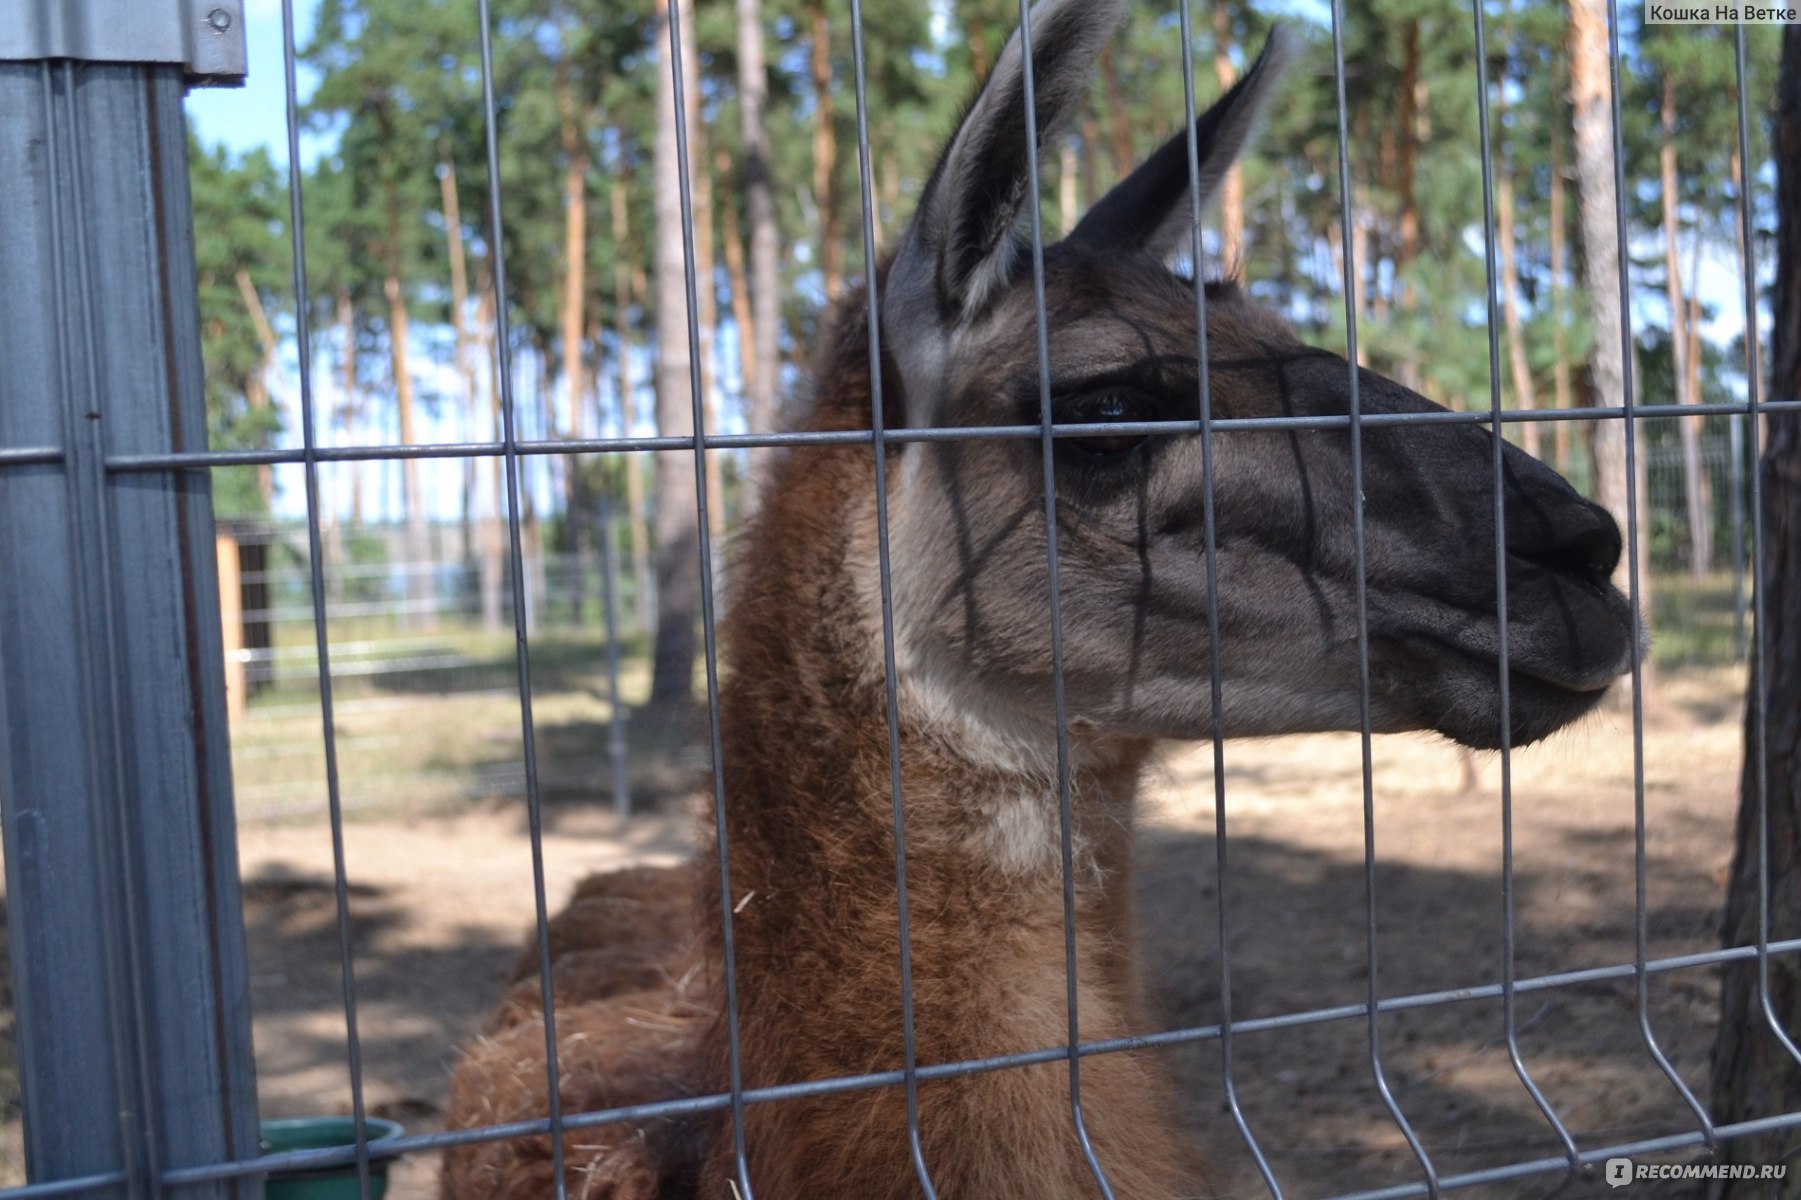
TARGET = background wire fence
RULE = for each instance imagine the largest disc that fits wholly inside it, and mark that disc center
(507, 671)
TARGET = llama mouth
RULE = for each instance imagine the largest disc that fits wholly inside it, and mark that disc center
(1565, 631)
(1430, 684)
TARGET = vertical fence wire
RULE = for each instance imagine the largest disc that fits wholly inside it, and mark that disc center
(890, 678)
(146, 1174)
(1759, 676)
(1210, 537)
(316, 580)
(1640, 914)
(125, 1003)
(1066, 831)
(1735, 487)
(709, 628)
(1510, 1013)
(1377, 1072)
(522, 648)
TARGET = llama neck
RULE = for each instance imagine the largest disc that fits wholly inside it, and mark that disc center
(810, 814)
(814, 901)
(807, 740)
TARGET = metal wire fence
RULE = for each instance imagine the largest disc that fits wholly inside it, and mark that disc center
(62, 455)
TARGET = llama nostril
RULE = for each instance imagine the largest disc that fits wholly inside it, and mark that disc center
(1580, 543)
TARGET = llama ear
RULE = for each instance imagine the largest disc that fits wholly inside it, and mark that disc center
(962, 238)
(1149, 210)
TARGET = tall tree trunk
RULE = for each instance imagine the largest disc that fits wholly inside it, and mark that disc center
(1231, 189)
(1744, 257)
(459, 324)
(1066, 185)
(708, 297)
(348, 405)
(257, 389)
(1694, 471)
(412, 500)
(1413, 105)
(626, 274)
(980, 56)
(1753, 1075)
(572, 322)
(1091, 141)
(1507, 244)
(731, 242)
(1360, 260)
(1591, 92)
(493, 539)
(764, 382)
(677, 512)
(1119, 124)
(1562, 389)
(825, 158)
(1525, 395)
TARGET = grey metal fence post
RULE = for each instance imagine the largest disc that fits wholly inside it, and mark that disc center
(131, 992)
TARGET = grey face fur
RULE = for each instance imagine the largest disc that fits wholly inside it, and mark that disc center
(968, 534)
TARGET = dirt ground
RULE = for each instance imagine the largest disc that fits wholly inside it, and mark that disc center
(441, 903)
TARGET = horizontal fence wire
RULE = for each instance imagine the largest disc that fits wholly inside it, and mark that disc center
(393, 1147)
(1509, 1172)
(1206, 426)
(851, 437)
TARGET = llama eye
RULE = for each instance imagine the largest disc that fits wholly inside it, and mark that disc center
(1108, 408)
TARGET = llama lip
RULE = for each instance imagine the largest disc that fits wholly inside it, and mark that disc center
(1553, 644)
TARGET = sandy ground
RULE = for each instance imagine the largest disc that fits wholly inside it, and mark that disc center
(440, 906)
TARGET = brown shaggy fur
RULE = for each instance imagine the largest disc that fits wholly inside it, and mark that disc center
(817, 936)
(625, 976)
(632, 1049)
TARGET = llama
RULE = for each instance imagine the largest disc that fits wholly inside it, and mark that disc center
(806, 769)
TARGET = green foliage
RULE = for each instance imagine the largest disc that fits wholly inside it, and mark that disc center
(240, 205)
(398, 98)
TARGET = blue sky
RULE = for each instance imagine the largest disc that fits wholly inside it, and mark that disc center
(256, 114)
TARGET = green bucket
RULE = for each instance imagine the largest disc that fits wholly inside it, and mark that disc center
(324, 1133)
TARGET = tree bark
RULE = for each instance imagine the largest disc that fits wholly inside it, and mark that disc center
(1694, 472)
(493, 540)
(1091, 141)
(1562, 388)
(825, 159)
(418, 533)
(257, 388)
(1753, 1074)
(1231, 189)
(1413, 104)
(627, 286)
(707, 297)
(1119, 126)
(764, 384)
(731, 243)
(1525, 395)
(412, 502)
(459, 324)
(1591, 92)
(571, 320)
(677, 508)
(347, 407)
(1507, 247)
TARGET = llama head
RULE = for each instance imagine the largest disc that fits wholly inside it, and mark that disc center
(968, 537)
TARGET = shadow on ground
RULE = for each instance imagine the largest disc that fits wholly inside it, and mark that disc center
(1298, 943)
